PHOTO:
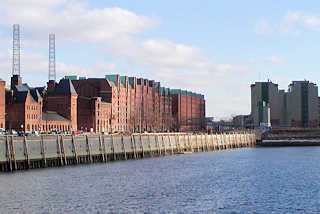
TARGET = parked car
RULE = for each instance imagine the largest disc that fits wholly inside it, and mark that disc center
(14, 132)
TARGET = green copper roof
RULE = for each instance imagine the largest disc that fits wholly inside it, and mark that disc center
(112, 78)
(157, 84)
(189, 93)
(131, 82)
(123, 80)
(139, 81)
(72, 77)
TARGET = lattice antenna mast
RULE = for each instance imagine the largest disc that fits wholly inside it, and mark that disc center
(16, 50)
(52, 57)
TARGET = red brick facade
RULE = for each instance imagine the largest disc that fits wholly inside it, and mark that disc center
(28, 111)
(188, 110)
(112, 104)
(134, 104)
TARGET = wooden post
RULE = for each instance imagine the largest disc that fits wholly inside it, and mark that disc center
(206, 139)
(150, 152)
(157, 144)
(179, 143)
(220, 142)
(227, 138)
(170, 144)
(164, 144)
(142, 149)
(74, 150)
(59, 150)
(113, 150)
(104, 149)
(8, 153)
(123, 148)
(197, 143)
(202, 144)
(26, 151)
(43, 151)
(212, 143)
(89, 149)
(101, 148)
(190, 143)
(134, 148)
(64, 151)
(13, 153)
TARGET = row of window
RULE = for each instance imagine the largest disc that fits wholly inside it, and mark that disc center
(31, 107)
(32, 116)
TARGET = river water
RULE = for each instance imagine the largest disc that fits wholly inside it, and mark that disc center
(254, 180)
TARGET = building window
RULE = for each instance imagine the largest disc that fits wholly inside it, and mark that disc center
(28, 127)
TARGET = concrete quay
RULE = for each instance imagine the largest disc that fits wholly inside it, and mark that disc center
(22, 153)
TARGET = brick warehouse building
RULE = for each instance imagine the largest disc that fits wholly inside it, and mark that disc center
(27, 108)
(134, 103)
(111, 104)
(188, 110)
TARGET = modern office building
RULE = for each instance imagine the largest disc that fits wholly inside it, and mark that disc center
(298, 107)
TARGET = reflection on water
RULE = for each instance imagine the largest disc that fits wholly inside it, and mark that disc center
(256, 180)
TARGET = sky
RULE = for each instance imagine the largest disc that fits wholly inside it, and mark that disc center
(216, 48)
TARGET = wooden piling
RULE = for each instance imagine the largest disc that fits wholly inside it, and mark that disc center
(157, 144)
(26, 151)
(123, 148)
(13, 153)
(64, 151)
(197, 143)
(113, 149)
(43, 151)
(171, 146)
(59, 149)
(164, 145)
(89, 149)
(8, 153)
(150, 150)
(142, 149)
(101, 148)
(134, 147)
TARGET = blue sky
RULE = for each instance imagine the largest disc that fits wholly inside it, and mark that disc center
(217, 48)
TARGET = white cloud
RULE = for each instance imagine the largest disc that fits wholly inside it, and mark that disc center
(159, 53)
(71, 20)
(272, 59)
(293, 22)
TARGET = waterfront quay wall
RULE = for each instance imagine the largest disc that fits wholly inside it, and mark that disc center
(293, 133)
(20, 153)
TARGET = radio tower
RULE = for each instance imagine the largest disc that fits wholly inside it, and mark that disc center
(16, 50)
(52, 58)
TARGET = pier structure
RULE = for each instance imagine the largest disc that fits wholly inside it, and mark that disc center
(21, 153)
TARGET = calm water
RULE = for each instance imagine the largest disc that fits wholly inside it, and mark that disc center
(258, 180)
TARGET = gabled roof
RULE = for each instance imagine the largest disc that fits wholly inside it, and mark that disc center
(21, 92)
(35, 94)
(65, 86)
(53, 116)
(20, 88)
